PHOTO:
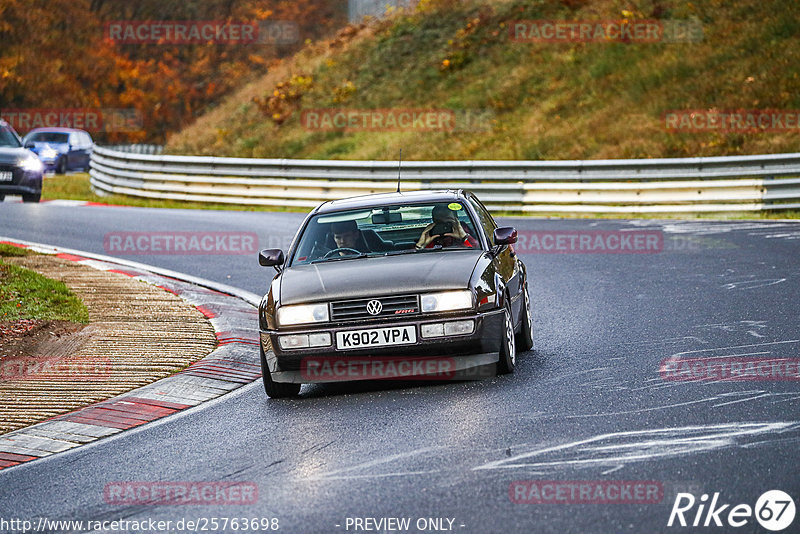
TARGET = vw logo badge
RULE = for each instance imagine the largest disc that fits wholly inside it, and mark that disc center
(374, 307)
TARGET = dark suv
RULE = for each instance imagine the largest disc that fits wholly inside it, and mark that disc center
(20, 169)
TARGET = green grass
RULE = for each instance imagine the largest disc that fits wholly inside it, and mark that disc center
(68, 187)
(10, 250)
(78, 187)
(714, 216)
(25, 294)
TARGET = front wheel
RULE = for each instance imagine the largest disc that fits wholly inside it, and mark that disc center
(525, 336)
(276, 390)
(2, 198)
(31, 198)
(508, 349)
(61, 166)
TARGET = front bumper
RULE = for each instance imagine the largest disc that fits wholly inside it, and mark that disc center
(23, 182)
(49, 164)
(442, 357)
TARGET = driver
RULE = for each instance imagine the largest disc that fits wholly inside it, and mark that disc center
(457, 237)
(346, 235)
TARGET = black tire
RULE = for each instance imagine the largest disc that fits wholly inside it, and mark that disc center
(508, 346)
(276, 390)
(32, 198)
(61, 166)
(2, 198)
(525, 335)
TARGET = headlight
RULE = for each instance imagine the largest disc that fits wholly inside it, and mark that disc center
(302, 313)
(446, 301)
(31, 164)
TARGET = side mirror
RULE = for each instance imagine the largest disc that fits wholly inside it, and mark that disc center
(505, 235)
(271, 257)
(30, 144)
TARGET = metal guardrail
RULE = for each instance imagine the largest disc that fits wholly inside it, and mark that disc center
(137, 148)
(736, 183)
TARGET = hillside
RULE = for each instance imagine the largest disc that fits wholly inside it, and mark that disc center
(526, 100)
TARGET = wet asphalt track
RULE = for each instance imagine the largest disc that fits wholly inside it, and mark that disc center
(588, 404)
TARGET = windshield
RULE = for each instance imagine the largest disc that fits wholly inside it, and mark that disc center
(385, 230)
(7, 137)
(47, 137)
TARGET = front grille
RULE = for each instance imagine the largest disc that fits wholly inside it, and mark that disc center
(394, 306)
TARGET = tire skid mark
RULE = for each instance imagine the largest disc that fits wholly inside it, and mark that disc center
(338, 473)
(609, 452)
(753, 284)
(675, 357)
(621, 448)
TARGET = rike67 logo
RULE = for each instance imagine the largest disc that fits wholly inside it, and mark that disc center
(774, 511)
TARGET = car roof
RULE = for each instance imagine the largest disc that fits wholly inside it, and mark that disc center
(56, 130)
(382, 199)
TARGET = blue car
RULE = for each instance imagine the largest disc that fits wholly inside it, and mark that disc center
(61, 149)
(20, 170)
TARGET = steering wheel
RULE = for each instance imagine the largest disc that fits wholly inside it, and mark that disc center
(340, 249)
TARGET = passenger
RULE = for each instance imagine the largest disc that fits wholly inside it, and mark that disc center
(457, 236)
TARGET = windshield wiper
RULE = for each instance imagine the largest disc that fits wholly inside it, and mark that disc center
(412, 250)
(339, 258)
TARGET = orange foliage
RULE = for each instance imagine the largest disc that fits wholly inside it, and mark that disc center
(55, 55)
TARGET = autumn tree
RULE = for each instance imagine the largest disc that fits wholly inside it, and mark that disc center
(68, 61)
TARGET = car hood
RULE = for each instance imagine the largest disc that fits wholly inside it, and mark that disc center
(380, 275)
(58, 147)
(11, 155)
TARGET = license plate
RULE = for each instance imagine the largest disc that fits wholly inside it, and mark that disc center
(6, 176)
(376, 337)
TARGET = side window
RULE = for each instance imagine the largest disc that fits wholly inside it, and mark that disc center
(87, 140)
(74, 140)
(485, 220)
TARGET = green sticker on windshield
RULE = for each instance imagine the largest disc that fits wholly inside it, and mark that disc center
(455, 206)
